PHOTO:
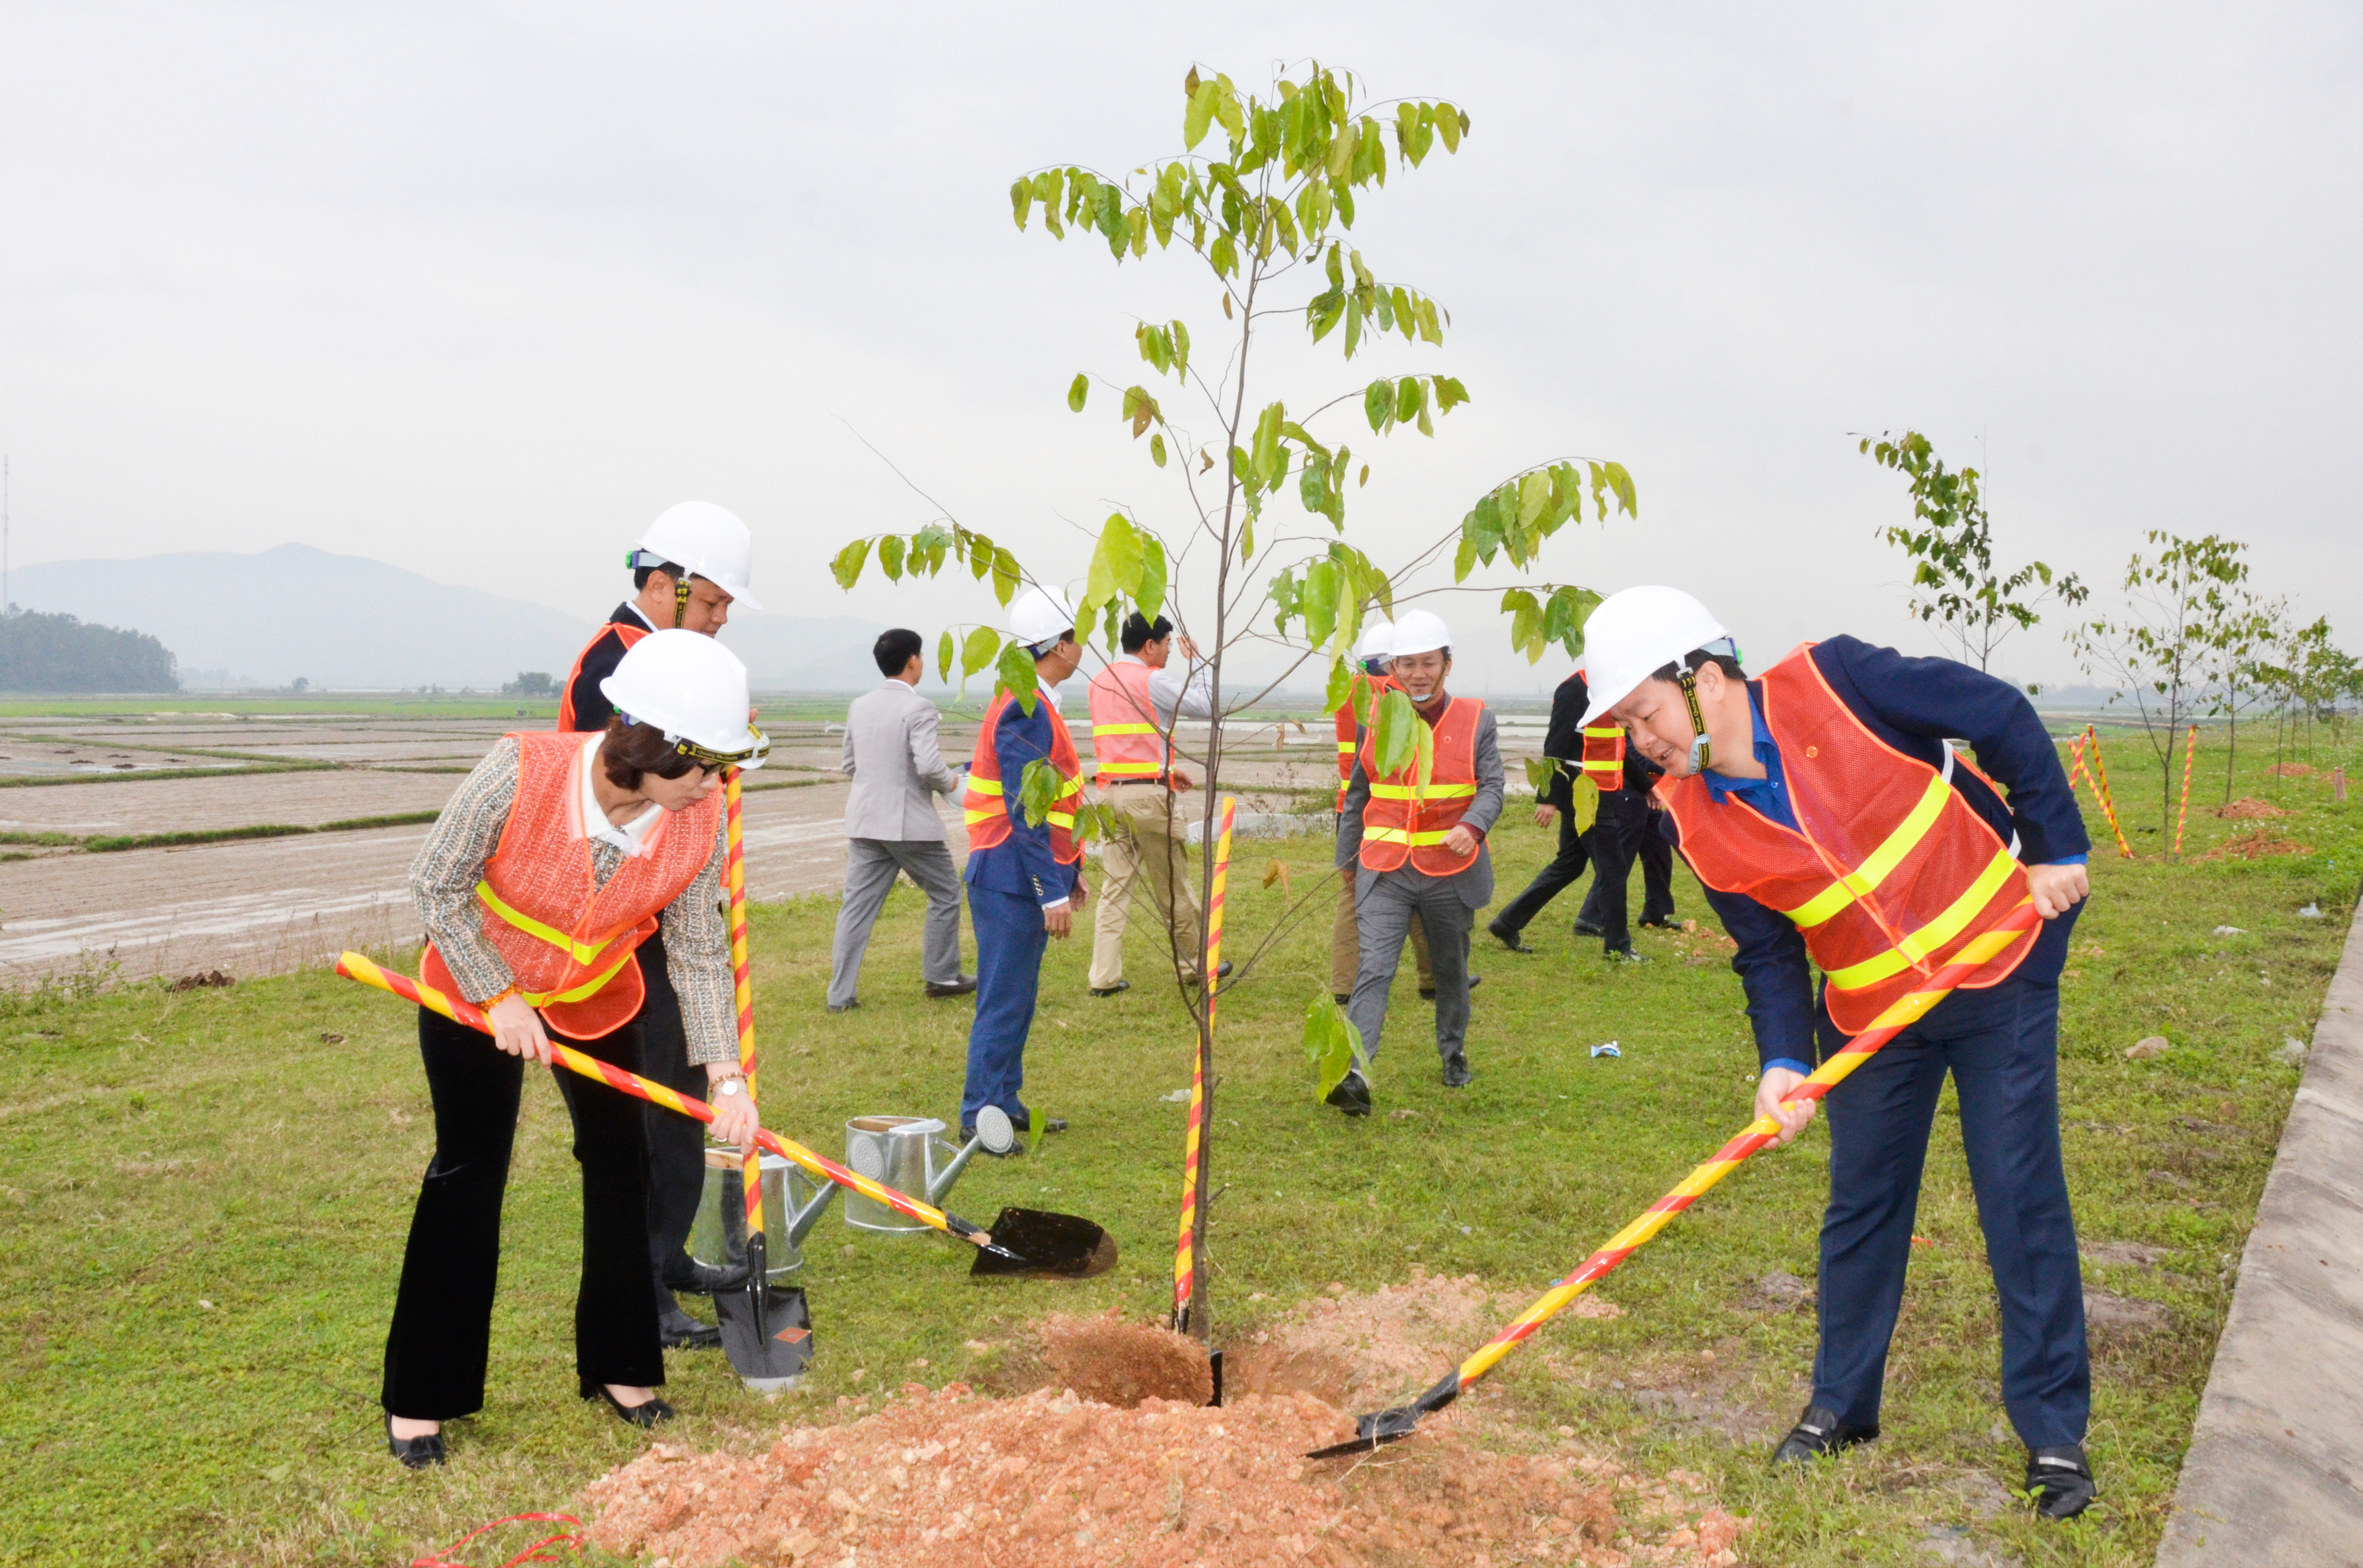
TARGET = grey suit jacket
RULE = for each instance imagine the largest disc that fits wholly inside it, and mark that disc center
(894, 753)
(1474, 884)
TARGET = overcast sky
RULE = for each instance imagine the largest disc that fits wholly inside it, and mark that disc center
(478, 290)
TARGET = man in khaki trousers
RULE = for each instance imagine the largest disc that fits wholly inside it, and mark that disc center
(1135, 704)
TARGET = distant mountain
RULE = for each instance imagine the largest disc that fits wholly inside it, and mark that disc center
(345, 621)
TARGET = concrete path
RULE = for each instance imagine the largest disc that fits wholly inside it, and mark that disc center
(2275, 1470)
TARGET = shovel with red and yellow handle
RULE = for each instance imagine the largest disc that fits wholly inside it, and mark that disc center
(1390, 1426)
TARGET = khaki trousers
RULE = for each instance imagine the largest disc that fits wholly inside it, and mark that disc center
(1346, 943)
(1151, 842)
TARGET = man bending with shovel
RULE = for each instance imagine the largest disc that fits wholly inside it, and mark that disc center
(1830, 820)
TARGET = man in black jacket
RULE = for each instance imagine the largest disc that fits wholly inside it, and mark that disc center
(1563, 741)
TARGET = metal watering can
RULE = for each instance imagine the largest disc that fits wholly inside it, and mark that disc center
(903, 1152)
(792, 1203)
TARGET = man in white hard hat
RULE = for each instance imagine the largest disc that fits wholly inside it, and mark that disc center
(691, 565)
(1417, 851)
(1830, 820)
(1136, 702)
(1345, 932)
(1024, 878)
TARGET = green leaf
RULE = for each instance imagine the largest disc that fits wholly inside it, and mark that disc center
(1341, 686)
(1448, 126)
(1141, 409)
(944, 658)
(1115, 562)
(1333, 1047)
(1038, 789)
(1014, 674)
(1396, 731)
(978, 651)
(1378, 404)
(1021, 198)
(850, 561)
(1622, 483)
(1525, 620)
(1006, 574)
(1465, 558)
(1449, 393)
(1534, 497)
(1408, 400)
(1156, 450)
(1540, 771)
(1078, 390)
(1319, 600)
(1267, 461)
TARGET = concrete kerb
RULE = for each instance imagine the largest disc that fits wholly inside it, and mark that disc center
(2274, 1473)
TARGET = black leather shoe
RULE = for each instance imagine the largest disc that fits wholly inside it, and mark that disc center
(964, 986)
(1624, 955)
(1427, 993)
(1818, 1434)
(1585, 928)
(1456, 1071)
(1341, 998)
(1111, 990)
(2061, 1480)
(1669, 923)
(849, 1007)
(1507, 937)
(415, 1454)
(676, 1329)
(703, 1279)
(1352, 1094)
(1222, 972)
(641, 1416)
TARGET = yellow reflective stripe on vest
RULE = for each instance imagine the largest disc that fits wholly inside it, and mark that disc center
(1403, 836)
(1125, 729)
(581, 952)
(588, 987)
(1923, 941)
(983, 786)
(1346, 749)
(1433, 792)
(1883, 861)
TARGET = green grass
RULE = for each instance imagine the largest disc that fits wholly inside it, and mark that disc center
(204, 1199)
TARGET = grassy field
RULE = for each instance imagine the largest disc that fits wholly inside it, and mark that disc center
(205, 1197)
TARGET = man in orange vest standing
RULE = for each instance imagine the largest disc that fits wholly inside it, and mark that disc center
(1024, 878)
(690, 568)
(1830, 820)
(1345, 931)
(1136, 702)
(1418, 852)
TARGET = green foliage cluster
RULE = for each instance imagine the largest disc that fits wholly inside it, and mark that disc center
(44, 652)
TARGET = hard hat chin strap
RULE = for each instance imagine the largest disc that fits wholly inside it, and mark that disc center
(1701, 752)
(680, 600)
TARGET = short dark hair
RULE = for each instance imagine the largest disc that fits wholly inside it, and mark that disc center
(1039, 651)
(634, 749)
(640, 574)
(1694, 659)
(1139, 634)
(894, 650)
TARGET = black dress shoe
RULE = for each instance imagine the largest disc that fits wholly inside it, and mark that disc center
(964, 986)
(2061, 1480)
(704, 1280)
(641, 1416)
(1507, 937)
(1111, 990)
(415, 1454)
(676, 1329)
(1341, 998)
(1427, 993)
(1625, 955)
(1818, 1434)
(1222, 972)
(1456, 1071)
(1352, 1094)
(1669, 923)
(849, 1007)
(1585, 928)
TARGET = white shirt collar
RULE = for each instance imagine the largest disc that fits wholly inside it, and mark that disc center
(643, 614)
(632, 837)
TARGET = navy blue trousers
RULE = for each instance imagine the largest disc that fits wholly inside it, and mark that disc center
(2001, 1047)
(1010, 940)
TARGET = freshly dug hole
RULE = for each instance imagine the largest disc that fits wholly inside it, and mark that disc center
(1111, 1362)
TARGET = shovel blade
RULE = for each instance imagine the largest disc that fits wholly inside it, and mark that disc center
(1375, 1431)
(766, 1328)
(1033, 1242)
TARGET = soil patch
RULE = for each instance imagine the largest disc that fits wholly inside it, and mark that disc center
(2248, 809)
(1111, 1362)
(2254, 845)
(2291, 769)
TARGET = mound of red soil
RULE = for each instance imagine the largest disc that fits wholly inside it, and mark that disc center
(2254, 845)
(2248, 809)
(2291, 769)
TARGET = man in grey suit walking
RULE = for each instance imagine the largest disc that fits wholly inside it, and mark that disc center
(895, 757)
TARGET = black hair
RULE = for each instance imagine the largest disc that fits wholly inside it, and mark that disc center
(1696, 659)
(631, 750)
(894, 650)
(1139, 634)
(1043, 649)
(641, 573)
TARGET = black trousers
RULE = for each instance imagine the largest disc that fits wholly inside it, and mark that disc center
(676, 1143)
(1626, 830)
(436, 1347)
(1565, 867)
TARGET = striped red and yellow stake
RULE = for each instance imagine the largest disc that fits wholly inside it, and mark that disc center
(1185, 1250)
(752, 1169)
(2078, 772)
(354, 967)
(2183, 815)
(2100, 782)
(1390, 1424)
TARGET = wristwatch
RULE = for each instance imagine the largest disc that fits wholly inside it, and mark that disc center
(731, 1086)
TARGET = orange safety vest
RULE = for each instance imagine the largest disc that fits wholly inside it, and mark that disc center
(569, 942)
(1603, 755)
(1890, 874)
(983, 804)
(630, 632)
(1347, 727)
(1403, 822)
(1126, 740)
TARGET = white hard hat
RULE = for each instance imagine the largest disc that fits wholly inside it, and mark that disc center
(708, 542)
(693, 689)
(1377, 641)
(1040, 615)
(1633, 635)
(1417, 631)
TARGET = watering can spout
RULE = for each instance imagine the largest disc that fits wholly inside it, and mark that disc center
(994, 1135)
(801, 1221)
